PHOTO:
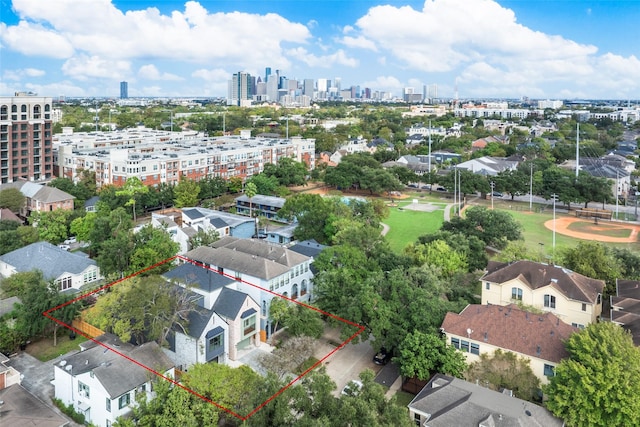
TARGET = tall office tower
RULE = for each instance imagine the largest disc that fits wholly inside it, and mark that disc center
(433, 91)
(124, 90)
(308, 87)
(272, 90)
(323, 85)
(240, 89)
(267, 73)
(26, 138)
(337, 82)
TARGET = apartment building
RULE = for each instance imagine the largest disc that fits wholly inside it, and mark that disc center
(167, 161)
(26, 149)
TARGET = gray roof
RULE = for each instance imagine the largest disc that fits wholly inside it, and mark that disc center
(39, 192)
(248, 256)
(92, 201)
(192, 213)
(205, 279)
(49, 259)
(6, 305)
(231, 220)
(260, 199)
(116, 373)
(22, 409)
(310, 248)
(218, 223)
(229, 303)
(455, 402)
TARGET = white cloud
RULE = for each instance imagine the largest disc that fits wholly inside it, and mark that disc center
(19, 74)
(83, 67)
(151, 72)
(34, 39)
(324, 61)
(359, 42)
(385, 83)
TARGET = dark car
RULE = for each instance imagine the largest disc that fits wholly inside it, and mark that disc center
(441, 189)
(497, 194)
(382, 357)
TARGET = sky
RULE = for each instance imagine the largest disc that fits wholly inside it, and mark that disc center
(541, 49)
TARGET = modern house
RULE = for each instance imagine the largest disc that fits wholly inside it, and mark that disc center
(102, 381)
(574, 298)
(261, 269)
(260, 205)
(447, 401)
(480, 329)
(69, 270)
(488, 166)
(225, 320)
(625, 307)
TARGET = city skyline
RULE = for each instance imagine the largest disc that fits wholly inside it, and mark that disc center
(482, 48)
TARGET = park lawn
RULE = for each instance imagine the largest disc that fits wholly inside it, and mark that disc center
(600, 228)
(405, 226)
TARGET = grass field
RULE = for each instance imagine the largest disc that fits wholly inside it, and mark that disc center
(43, 349)
(405, 226)
(600, 229)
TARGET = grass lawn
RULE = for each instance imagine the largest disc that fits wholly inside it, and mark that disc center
(600, 228)
(405, 225)
(43, 349)
(403, 398)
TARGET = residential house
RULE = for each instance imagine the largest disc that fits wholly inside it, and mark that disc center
(224, 322)
(480, 329)
(90, 205)
(625, 307)
(102, 380)
(574, 298)
(7, 215)
(262, 270)
(447, 401)
(8, 374)
(41, 198)
(481, 143)
(260, 205)
(488, 166)
(19, 408)
(70, 271)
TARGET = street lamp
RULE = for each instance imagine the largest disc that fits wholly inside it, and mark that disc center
(492, 185)
(553, 246)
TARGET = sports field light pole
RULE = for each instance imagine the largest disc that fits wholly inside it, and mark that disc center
(492, 185)
(531, 189)
(553, 245)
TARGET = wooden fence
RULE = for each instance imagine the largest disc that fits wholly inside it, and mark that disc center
(86, 328)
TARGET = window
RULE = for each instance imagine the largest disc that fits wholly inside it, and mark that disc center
(516, 293)
(549, 370)
(216, 342)
(83, 389)
(455, 342)
(599, 300)
(487, 285)
(65, 283)
(464, 346)
(108, 404)
(416, 418)
(549, 301)
(577, 325)
(123, 401)
(584, 307)
(475, 348)
(249, 325)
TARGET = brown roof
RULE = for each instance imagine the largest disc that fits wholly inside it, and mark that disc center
(536, 275)
(7, 215)
(628, 288)
(513, 329)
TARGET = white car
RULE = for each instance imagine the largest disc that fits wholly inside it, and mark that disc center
(65, 247)
(70, 240)
(352, 388)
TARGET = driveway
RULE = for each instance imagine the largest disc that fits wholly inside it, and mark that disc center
(345, 364)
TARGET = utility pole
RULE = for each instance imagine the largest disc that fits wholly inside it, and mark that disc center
(455, 191)
(617, 192)
(553, 246)
(531, 189)
(430, 183)
(577, 148)
(492, 185)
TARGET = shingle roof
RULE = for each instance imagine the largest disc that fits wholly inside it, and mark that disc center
(260, 199)
(513, 329)
(49, 259)
(229, 303)
(193, 275)
(192, 213)
(218, 223)
(117, 374)
(7, 215)
(536, 275)
(248, 256)
(310, 248)
(455, 402)
(628, 288)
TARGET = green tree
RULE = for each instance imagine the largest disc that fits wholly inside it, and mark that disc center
(203, 238)
(151, 246)
(288, 356)
(593, 259)
(288, 171)
(12, 199)
(235, 184)
(81, 227)
(505, 370)
(423, 354)
(599, 383)
(132, 188)
(303, 321)
(264, 184)
(186, 193)
(52, 226)
(438, 254)
(495, 228)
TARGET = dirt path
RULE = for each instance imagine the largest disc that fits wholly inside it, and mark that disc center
(562, 227)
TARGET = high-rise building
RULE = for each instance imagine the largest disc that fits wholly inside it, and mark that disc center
(267, 73)
(26, 150)
(308, 87)
(124, 90)
(240, 89)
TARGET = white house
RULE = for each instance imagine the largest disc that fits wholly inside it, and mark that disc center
(102, 384)
(261, 269)
(69, 270)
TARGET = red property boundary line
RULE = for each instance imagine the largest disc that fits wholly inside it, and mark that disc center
(176, 383)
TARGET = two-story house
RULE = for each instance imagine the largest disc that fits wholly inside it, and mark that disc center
(224, 322)
(260, 205)
(70, 271)
(102, 384)
(41, 198)
(262, 270)
(625, 307)
(480, 329)
(574, 298)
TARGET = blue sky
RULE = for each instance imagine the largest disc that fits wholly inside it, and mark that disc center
(492, 48)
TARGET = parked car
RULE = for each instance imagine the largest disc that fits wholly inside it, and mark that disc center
(497, 194)
(382, 357)
(65, 247)
(426, 187)
(413, 185)
(441, 189)
(352, 388)
(70, 240)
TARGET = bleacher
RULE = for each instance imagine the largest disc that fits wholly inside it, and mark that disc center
(594, 213)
